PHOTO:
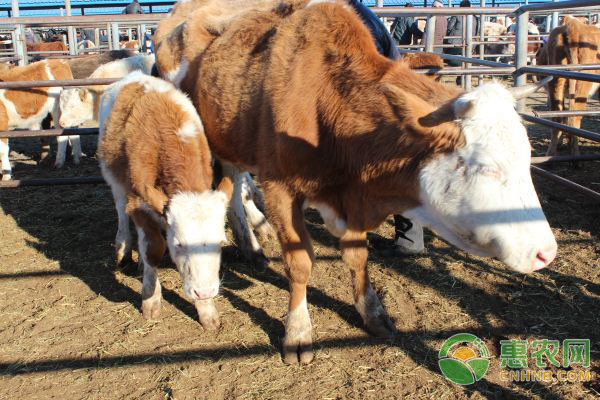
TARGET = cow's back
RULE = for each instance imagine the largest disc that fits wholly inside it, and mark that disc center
(294, 65)
(83, 67)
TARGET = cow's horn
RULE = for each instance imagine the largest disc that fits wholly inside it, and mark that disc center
(520, 92)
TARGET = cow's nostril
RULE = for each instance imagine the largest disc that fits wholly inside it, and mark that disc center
(543, 258)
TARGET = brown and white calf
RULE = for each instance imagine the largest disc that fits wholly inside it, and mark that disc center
(155, 157)
(27, 108)
(305, 100)
(571, 43)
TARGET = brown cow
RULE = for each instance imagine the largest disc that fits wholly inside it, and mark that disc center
(422, 60)
(82, 67)
(47, 46)
(303, 98)
(27, 108)
(571, 43)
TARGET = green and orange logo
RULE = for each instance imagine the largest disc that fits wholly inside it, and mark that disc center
(464, 359)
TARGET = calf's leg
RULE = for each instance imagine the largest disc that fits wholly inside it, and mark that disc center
(556, 93)
(152, 247)
(285, 211)
(243, 215)
(354, 253)
(4, 153)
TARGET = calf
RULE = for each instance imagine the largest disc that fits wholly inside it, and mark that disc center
(130, 45)
(83, 67)
(79, 105)
(47, 46)
(571, 43)
(155, 157)
(27, 108)
(303, 98)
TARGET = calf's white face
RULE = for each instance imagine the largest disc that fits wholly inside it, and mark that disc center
(481, 197)
(195, 233)
(76, 107)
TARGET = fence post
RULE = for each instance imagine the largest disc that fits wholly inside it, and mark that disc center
(521, 53)
(429, 33)
(114, 27)
(481, 38)
(71, 34)
(97, 37)
(19, 36)
(554, 18)
(469, 48)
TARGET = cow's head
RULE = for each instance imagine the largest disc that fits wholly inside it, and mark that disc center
(478, 195)
(76, 107)
(195, 234)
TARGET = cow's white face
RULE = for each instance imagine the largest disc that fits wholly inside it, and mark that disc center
(76, 107)
(195, 233)
(481, 197)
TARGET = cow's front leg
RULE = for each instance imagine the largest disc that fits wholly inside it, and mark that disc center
(354, 253)
(151, 247)
(207, 314)
(286, 215)
(4, 156)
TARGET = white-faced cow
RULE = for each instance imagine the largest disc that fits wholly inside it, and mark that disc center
(155, 157)
(302, 97)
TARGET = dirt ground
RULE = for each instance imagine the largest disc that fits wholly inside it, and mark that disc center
(71, 325)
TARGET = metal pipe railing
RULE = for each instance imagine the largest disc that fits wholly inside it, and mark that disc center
(56, 83)
(555, 159)
(565, 182)
(568, 129)
(49, 132)
(582, 76)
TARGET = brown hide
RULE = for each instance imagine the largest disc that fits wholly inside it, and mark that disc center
(47, 46)
(129, 44)
(186, 33)
(28, 102)
(422, 60)
(571, 43)
(141, 148)
(83, 67)
(306, 100)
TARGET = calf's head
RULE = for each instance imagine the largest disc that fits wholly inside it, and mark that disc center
(195, 234)
(76, 107)
(478, 194)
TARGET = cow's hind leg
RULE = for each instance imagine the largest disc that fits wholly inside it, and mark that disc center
(152, 247)
(286, 214)
(239, 217)
(4, 154)
(354, 253)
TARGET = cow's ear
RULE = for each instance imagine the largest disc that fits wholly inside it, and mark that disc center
(406, 105)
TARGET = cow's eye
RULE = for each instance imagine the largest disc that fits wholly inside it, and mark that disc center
(490, 171)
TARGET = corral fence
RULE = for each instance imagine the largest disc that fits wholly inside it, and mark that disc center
(472, 64)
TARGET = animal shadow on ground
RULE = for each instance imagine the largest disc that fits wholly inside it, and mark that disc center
(79, 226)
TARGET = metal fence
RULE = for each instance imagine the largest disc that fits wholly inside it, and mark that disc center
(477, 65)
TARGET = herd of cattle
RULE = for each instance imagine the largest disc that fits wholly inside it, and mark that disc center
(295, 93)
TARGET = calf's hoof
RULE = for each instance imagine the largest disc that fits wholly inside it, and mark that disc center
(122, 255)
(265, 231)
(59, 164)
(6, 177)
(151, 308)
(298, 349)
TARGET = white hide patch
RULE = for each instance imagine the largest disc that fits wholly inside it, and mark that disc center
(193, 126)
(198, 218)
(176, 75)
(335, 225)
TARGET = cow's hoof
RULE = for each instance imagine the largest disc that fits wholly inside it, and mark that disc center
(211, 323)
(58, 164)
(151, 308)
(381, 326)
(297, 350)
(123, 255)
(6, 177)
(260, 260)
(265, 231)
